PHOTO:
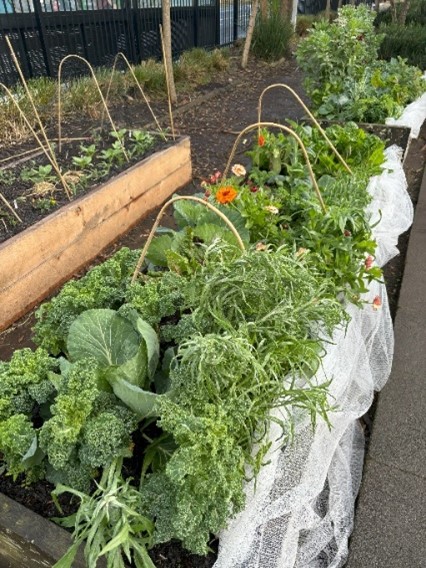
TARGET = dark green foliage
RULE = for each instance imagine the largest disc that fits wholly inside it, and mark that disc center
(24, 381)
(104, 433)
(343, 76)
(272, 35)
(202, 485)
(73, 405)
(103, 287)
(16, 436)
(407, 41)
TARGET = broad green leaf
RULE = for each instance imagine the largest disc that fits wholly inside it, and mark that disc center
(118, 540)
(150, 338)
(134, 371)
(34, 455)
(188, 213)
(67, 560)
(208, 232)
(140, 401)
(103, 335)
(157, 250)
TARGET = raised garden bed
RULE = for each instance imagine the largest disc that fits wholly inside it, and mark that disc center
(37, 260)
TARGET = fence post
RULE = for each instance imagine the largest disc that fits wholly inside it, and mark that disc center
(236, 14)
(196, 22)
(43, 39)
(130, 30)
(217, 34)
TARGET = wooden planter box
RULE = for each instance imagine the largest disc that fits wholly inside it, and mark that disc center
(27, 540)
(36, 261)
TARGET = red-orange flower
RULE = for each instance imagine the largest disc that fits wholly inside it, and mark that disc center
(377, 303)
(261, 140)
(226, 194)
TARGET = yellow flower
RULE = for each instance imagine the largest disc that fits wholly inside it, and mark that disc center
(226, 194)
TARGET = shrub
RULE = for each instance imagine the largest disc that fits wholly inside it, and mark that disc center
(408, 42)
(343, 75)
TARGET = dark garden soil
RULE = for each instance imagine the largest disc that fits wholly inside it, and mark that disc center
(212, 120)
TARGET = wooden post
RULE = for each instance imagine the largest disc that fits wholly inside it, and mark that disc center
(167, 37)
(249, 35)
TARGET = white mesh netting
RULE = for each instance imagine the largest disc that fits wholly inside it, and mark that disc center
(300, 514)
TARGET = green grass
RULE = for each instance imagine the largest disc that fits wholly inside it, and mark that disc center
(81, 97)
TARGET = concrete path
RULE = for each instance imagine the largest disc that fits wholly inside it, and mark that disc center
(390, 522)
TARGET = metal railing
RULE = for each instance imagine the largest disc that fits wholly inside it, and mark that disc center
(42, 32)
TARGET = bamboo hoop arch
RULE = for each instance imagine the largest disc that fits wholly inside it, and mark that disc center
(160, 215)
(73, 56)
(139, 86)
(306, 109)
(299, 141)
(48, 154)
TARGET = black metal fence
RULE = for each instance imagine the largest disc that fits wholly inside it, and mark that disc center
(42, 32)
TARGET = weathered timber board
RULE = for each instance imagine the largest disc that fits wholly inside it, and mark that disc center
(30, 541)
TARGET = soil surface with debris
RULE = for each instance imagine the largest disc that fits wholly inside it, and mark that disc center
(212, 118)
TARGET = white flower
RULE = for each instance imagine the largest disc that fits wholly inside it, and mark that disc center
(238, 170)
(272, 209)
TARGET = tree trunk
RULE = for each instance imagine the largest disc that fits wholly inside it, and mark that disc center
(249, 36)
(339, 4)
(328, 10)
(167, 39)
(403, 11)
(377, 6)
(264, 8)
(286, 7)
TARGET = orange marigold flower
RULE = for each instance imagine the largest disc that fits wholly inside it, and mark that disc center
(226, 194)
(261, 140)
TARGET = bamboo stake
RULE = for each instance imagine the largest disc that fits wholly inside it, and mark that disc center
(160, 215)
(73, 56)
(163, 47)
(43, 131)
(9, 206)
(139, 86)
(299, 141)
(306, 109)
(39, 142)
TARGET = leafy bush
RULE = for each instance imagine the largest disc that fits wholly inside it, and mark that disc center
(343, 75)
(405, 41)
(272, 35)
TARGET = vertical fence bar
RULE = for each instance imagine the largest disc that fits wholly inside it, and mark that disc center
(217, 30)
(43, 37)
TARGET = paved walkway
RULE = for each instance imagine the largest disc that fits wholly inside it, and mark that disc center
(390, 523)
